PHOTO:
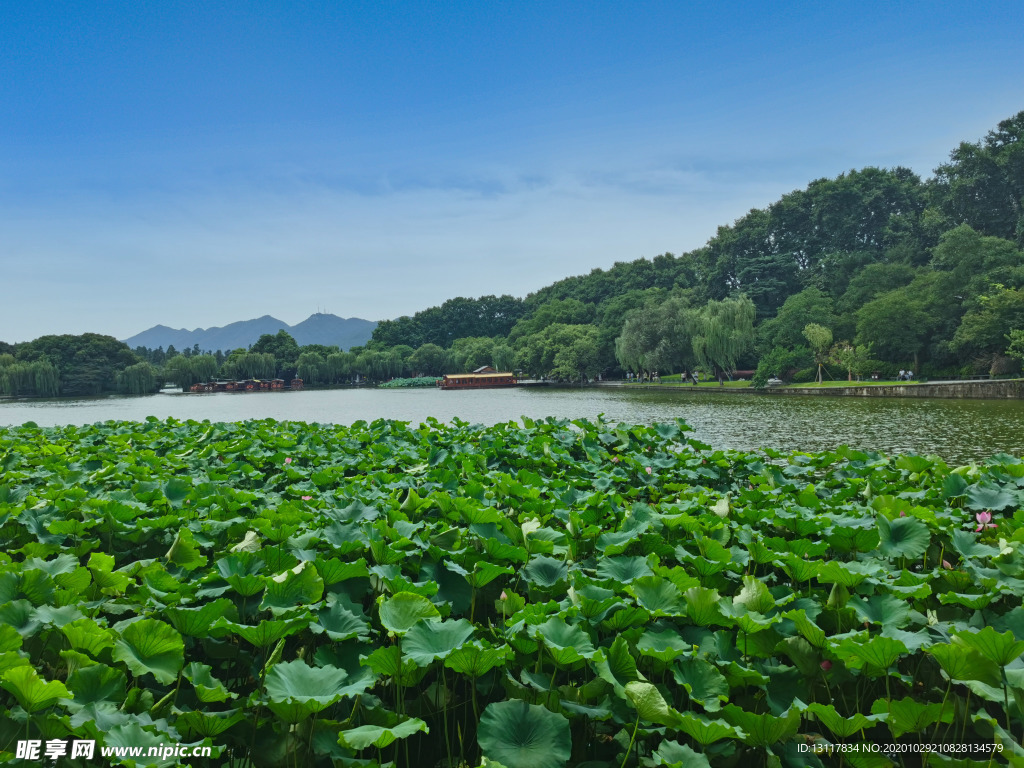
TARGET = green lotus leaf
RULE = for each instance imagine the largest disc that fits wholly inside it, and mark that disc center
(903, 537)
(953, 486)
(96, 683)
(623, 570)
(658, 595)
(301, 585)
(102, 567)
(339, 622)
(702, 681)
(967, 544)
(962, 662)
(908, 715)
(52, 616)
(197, 622)
(1000, 648)
(207, 687)
(267, 632)
(848, 574)
(886, 610)
(705, 731)
(879, 652)
(995, 499)
(650, 704)
(208, 725)
(35, 586)
(501, 552)
(86, 635)
(977, 602)
(31, 691)
(763, 730)
(387, 661)
(401, 612)
(520, 735)
(177, 490)
(484, 573)
(627, 617)
(297, 690)
(807, 628)
(428, 641)
(664, 645)
(380, 736)
(566, 643)
(334, 571)
(841, 726)
(545, 572)
(184, 551)
(749, 622)
(755, 596)
(150, 646)
(20, 615)
(475, 660)
(675, 755)
(702, 605)
(616, 665)
(10, 640)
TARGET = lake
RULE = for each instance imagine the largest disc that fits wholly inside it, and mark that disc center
(957, 430)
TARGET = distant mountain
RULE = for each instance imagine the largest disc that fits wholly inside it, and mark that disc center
(318, 328)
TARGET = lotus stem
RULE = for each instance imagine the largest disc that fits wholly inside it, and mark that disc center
(631, 740)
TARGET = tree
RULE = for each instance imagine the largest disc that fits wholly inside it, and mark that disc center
(428, 360)
(853, 359)
(724, 331)
(284, 349)
(811, 305)
(820, 339)
(138, 379)
(894, 326)
(576, 355)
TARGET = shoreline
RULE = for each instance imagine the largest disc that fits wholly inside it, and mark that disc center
(989, 389)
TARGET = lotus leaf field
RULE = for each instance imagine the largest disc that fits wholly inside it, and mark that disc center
(533, 595)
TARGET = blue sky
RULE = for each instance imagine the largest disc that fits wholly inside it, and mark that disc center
(193, 164)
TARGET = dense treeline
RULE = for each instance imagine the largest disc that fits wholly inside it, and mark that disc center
(901, 273)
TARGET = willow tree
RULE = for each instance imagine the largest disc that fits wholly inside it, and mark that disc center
(137, 379)
(724, 331)
(312, 368)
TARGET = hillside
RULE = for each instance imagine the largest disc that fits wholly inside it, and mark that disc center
(319, 328)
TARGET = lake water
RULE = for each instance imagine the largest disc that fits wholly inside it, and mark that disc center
(957, 430)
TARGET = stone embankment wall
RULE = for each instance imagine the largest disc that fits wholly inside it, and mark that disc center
(1000, 389)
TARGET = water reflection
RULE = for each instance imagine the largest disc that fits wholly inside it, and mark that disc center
(957, 430)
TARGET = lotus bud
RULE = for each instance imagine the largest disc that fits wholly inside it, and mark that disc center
(826, 665)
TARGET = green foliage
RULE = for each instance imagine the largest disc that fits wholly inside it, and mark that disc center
(520, 594)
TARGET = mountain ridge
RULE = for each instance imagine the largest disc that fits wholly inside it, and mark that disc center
(318, 328)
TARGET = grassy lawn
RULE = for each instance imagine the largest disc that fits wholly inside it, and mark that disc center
(673, 380)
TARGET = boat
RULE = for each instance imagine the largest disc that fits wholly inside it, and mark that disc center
(479, 379)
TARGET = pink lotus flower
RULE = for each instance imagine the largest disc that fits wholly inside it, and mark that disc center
(306, 498)
(648, 470)
(903, 514)
(288, 460)
(826, 665)
(503, 596)
(984, 521)
(615, 459)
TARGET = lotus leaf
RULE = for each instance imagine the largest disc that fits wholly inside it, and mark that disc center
(150, 646)
(401, 612)
(520, 735)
